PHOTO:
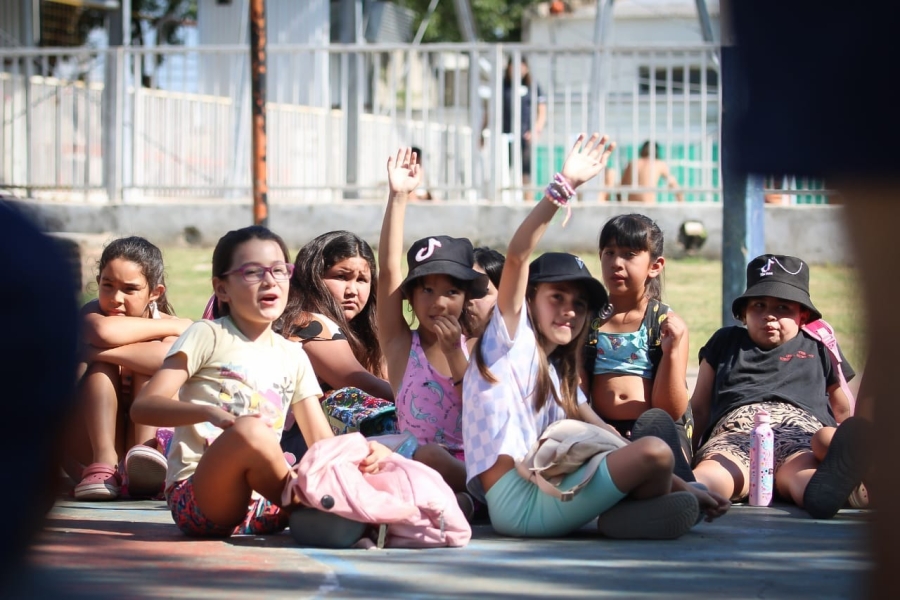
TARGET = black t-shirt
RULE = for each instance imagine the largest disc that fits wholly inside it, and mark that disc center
(797, 372)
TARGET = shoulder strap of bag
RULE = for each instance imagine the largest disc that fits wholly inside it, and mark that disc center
(652, 321)
(566, 495)
(820, 330)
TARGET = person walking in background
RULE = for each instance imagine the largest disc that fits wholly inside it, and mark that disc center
(521, 92)
(645, 172)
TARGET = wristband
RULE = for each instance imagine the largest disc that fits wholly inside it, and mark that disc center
(560, 192)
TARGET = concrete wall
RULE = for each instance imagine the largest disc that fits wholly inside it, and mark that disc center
(815, 233)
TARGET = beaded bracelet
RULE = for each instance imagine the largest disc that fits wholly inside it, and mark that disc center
(560, 192)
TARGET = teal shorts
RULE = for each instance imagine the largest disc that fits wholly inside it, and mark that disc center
(519, 508)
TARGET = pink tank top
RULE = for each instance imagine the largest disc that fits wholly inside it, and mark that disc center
(428, 405)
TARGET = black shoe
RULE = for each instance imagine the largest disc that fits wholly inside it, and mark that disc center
(657, 423)
(842, 470)
(662, 518)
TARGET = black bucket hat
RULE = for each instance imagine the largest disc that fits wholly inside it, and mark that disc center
(442, 255)
(778, 276)
(553, 267)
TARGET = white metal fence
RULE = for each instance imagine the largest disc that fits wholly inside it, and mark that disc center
(127, 124)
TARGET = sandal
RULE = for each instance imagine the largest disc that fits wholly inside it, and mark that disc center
(100, 481)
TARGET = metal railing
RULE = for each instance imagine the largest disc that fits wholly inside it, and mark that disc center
(127, 124)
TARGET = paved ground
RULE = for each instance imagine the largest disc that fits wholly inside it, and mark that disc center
(132, 549)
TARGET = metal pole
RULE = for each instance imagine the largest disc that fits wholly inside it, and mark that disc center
(743, 225)
(351, 33)
(259, 167)
(465, 20)
(602, 22)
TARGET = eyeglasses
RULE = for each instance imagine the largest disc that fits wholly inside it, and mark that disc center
(254, 273)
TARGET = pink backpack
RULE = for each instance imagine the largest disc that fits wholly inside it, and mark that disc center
(417, 507)
(820, 330)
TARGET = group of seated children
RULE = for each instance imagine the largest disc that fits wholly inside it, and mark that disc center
(478, 352)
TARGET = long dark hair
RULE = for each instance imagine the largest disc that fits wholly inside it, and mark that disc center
(492, 262)
(526, 77)
(309, 294)
(223, 255)
(144, 254)
(636, 232)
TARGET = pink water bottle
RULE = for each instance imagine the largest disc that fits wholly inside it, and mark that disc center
(762, 465)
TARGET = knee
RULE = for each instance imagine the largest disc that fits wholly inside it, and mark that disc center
(821, 440)
(103, 369)
(252, 432)
(655, 455)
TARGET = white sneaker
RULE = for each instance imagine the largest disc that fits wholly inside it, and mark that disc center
(145, 471)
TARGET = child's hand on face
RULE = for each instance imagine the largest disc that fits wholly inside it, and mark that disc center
(671, 330)
(404, 172)
(448, 332)
(587, 159)
(377, 453)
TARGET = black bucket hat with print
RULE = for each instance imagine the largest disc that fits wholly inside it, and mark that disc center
(443, 255)
(554, 267)
(778, 276)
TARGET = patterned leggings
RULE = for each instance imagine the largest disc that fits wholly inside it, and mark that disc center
(262, 518)
(793, 428)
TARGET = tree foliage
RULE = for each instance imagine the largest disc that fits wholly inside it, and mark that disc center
(495, 20)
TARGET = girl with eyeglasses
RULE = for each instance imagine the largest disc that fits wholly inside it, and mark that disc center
(236, 380)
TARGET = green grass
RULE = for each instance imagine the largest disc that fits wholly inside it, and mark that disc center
(692, 286)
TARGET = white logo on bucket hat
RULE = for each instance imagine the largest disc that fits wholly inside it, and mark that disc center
(425, 253)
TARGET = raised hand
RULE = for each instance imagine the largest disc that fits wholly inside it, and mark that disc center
(404, 172)
(587, 159)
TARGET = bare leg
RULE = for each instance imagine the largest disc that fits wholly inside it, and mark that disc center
(452, 470)
(725, 475)
(794, 475)
(100, 402)
(244, 458)
(140, 434)
(642, 469)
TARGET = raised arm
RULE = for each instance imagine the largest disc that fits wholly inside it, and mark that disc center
(393, 330)
(670, 391)
(585, 160)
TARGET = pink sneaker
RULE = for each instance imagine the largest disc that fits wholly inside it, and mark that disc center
(99, 482)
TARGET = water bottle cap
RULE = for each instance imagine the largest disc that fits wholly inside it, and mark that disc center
(761, 416)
